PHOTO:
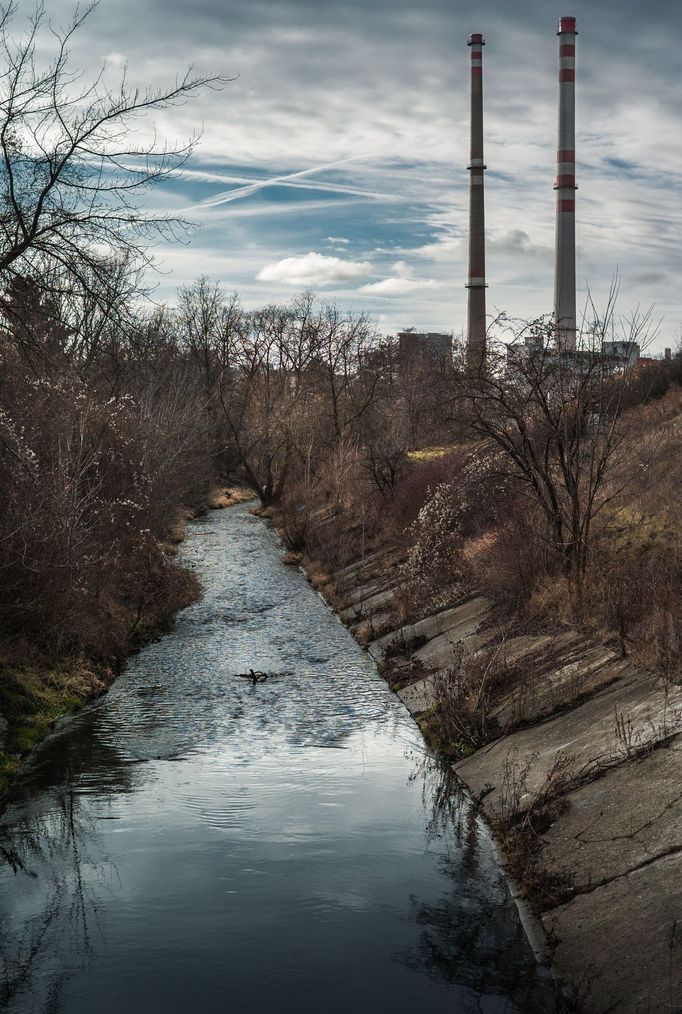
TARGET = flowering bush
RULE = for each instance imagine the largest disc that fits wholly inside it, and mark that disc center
(455, 511)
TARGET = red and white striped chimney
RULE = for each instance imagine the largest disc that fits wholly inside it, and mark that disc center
(476, 315)
(564, 264)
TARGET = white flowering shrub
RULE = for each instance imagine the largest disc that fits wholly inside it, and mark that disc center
(433, 557)
(455, 511)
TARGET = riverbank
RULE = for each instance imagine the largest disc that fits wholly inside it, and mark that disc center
(164, 840)
(573, 753)
(35, 692)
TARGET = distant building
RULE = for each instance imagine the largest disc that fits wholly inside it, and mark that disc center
(626, 352)
(430, 350)
(614, 356)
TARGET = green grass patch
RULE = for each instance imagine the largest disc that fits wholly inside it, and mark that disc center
(8, 767)
(33, 696)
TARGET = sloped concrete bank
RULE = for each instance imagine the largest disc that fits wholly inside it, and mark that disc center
(582, 781)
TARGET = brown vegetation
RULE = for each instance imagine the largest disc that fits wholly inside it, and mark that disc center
(101, 457)
(557, 495)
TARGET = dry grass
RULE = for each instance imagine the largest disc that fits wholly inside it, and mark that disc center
(521, 820)
(292, 559)
(268, 513)
(461, 720)
(316, 574)
(221, 497)
(176, 529)
(430, 453)
(321, 580)
(364, 632)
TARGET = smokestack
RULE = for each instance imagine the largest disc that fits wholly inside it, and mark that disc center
(476, 323)
(564, 264)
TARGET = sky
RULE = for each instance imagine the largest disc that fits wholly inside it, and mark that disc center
(336, 158)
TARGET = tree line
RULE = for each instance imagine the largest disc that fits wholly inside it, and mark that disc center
(116, 414)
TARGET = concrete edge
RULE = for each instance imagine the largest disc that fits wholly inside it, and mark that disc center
(530, 921)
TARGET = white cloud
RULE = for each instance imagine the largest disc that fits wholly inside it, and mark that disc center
(402, 284)
(313, 269)
(263, 133)
(399, 286)
(517, 241)
(338, 240)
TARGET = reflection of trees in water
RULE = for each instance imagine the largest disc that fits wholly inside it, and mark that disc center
(47, 855)
(471, 936)
(75, 753)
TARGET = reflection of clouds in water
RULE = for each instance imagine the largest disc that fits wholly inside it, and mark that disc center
(257, 614)
(288, 796)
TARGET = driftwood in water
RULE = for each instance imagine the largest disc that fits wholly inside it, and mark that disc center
(255, 677)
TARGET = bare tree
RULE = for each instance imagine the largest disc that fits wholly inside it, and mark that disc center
(71, 176)
(558, 419)
(52, 321)
(344, 340)
(210, 326)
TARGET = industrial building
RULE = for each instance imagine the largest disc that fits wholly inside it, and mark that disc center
(430, 350)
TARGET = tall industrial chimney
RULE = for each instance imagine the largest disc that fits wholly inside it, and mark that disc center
(564, 264)
(476, 322)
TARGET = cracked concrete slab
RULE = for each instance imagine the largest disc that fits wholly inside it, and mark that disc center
(526, 647)
(466, 616)
(364, 568)
(596, 734)
(557, 681)
(622, 934)
(619, 821)
(621, 836)
(372, 626)
(419, 696)
(363, 606)
(440, 651)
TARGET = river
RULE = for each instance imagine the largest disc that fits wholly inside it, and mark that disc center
(191, 842)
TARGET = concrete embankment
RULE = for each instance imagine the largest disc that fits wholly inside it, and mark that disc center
(582, 782)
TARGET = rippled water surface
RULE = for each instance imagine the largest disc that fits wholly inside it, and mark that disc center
(195, 843)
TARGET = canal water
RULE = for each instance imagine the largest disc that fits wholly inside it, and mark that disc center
(191, 842)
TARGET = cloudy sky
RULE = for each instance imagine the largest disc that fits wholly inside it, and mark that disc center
(337, 157)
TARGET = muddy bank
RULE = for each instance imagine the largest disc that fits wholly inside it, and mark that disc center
(573, 753)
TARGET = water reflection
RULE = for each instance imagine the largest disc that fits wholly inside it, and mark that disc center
(463, 932)
(192, 840)
(54, 858)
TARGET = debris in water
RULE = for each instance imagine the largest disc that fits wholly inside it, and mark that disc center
(256, 677)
